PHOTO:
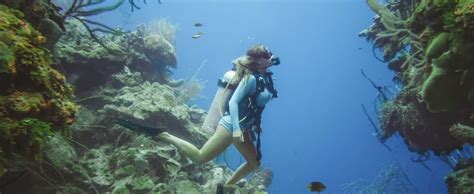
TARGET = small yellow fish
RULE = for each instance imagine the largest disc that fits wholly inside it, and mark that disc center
(316, 187)
(198, 35)
(40, 39)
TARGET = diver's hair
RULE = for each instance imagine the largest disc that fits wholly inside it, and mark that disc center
(240, 72)
(258, 51)
(254, 53)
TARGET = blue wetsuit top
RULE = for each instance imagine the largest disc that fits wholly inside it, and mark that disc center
(246, 87)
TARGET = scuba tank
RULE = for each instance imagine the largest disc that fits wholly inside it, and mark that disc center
(220, 103)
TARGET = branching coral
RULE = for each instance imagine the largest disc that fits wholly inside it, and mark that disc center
(134, 4)
(163, 27)
(390, 180)
(192, 87)
(81, 9)
(391, 31)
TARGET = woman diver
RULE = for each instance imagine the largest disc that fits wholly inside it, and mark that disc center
(246, 89)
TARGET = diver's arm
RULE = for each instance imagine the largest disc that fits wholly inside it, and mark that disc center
(245, 87)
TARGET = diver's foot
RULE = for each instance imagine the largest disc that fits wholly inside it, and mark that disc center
(135, 126)
(164, 136)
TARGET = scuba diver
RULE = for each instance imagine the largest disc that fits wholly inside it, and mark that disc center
(241, 98)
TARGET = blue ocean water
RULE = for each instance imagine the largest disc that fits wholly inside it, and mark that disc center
(316, 130)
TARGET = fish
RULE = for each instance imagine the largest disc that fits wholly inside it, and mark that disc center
(198, 25)
(40, 39)
(197, 35)
(316, 187)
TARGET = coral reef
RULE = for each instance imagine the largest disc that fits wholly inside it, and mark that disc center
(463, 133)
(262, 178)
(163, 110)
(429, 45)
(43, 15)
(81, 57)
(81, 11)
(34, 98)
(102, 157)
(98, 156)
(461, 181)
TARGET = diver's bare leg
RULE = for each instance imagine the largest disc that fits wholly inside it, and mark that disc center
(249, 152)
(220, 140)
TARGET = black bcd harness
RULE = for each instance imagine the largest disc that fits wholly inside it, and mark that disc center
(249, 107)
(249, 103)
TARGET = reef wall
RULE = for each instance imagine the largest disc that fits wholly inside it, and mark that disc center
(35, 100)
(429, 46)
(81, 57)
(58, 100)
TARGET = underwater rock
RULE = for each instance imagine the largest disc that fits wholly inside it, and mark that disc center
(262, 178)
(60, 152)
(82, 57)
(118, 160)
(156, 104)
(420, 129)
(43, 15)
(34, 98)
(159, 50)
(128, 78)
(217, 177)
(52, 31)
(187, 186)
(463, 132)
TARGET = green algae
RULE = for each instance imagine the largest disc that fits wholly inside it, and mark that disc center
(35, 99)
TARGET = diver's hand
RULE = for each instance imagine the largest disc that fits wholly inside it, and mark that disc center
(238, 136)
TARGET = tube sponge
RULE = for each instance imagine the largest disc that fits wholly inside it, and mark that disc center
(442, 90)
(438, 45)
